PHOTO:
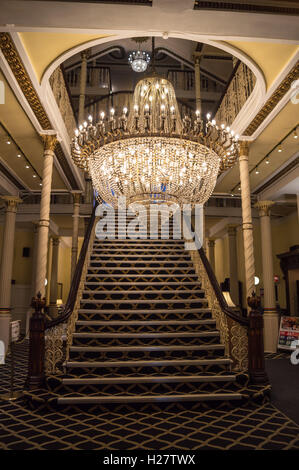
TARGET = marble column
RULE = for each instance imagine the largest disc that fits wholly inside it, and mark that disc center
(211, 253)
(83, 76)
(233, 264)
(44, 218)
(271, 321)
(76, 213)
(6, 266)
(247, 219)
(53, 310)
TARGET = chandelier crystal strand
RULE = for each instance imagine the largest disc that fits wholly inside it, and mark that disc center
(151, 154)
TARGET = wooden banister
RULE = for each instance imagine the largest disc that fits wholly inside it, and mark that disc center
(39, 325)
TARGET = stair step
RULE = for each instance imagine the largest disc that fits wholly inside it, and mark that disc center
(149, 379)
(185, 310)
(170, 276)
(146, 335)
(145, 322)
(144, 268)
(144, 283)
(151, 255)
(143, 292)
(146, 301)
(139, 242)
(206, 347)
(148, 363)
(149, 398)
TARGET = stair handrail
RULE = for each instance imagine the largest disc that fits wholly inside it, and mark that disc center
(71, 299)
(232, 327)
(242, 337)
(49, 338)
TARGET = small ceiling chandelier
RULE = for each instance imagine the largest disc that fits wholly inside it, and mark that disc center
(151, 154)
(138, 59)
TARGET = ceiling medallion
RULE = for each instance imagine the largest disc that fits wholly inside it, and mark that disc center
(152, 155)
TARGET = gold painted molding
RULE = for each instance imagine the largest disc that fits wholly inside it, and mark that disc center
(15, 62)
(11, 54)
(274, 99)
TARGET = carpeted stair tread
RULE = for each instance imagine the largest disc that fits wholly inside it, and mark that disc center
(147, 363)
(147, 335)
(149, 399)
(149, 379)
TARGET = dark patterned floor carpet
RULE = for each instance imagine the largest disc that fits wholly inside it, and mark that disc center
(152, 427)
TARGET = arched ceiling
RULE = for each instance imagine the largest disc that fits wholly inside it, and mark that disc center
(44, 49)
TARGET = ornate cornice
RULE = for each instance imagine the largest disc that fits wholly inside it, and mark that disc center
(13, 59)
(264, 207)
(15, 62)
(274, 99)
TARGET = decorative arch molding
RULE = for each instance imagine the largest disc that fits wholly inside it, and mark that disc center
(249, 110)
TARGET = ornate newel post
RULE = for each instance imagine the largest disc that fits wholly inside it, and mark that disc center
(247, 218)
(256, 359)
(271, 322)
(36, 362)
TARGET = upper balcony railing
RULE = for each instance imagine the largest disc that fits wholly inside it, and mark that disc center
(236, 93)
(96, 77)
(63, 100)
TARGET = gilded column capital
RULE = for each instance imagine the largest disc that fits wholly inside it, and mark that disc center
(50, 141)
(76, 196)
(85, 54)
(211, 242)
(244, 148)
(264, 207)
(11, 202)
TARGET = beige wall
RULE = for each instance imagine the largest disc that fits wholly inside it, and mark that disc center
(285, 233)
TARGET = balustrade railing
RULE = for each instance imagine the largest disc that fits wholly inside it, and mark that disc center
(96, 76)
(242, 337)
(235, 95)
(62, 97)
(50, 340)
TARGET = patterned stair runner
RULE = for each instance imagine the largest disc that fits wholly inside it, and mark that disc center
(144, 332)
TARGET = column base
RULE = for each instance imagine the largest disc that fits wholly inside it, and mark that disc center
(271, 326)
(5, 319)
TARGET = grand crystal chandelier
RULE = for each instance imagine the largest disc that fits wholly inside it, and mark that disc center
(152, 155)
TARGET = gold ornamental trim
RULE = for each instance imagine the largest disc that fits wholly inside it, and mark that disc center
(274, 99)
(49, 141)
(15, 62)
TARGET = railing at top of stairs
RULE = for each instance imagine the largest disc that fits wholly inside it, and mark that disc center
(49, 340)
(242, 337)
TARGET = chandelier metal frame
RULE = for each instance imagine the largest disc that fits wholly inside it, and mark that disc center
(151, 154)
